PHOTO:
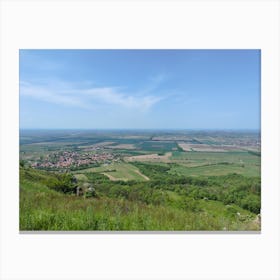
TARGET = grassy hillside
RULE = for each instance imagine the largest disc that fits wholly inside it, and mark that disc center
(48, 202)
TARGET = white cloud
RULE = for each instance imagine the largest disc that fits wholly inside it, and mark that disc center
(49, 95)
(65, 94)
(112, 96)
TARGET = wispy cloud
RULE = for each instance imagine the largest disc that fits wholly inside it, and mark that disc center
(50, 95)
(88, 97)
(113, 96)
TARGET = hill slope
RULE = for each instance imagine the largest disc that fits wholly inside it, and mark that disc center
(48, 202)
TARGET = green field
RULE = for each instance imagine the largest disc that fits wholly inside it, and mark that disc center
(211, 163)
(202, 157)
(157, 146)
(118, 171)
(217, 169)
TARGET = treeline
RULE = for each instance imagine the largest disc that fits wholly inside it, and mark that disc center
(230, 189)
(163, 188)
(255, 153)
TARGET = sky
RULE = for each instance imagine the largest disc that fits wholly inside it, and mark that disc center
(139, 89)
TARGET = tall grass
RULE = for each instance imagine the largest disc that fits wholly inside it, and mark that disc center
(44, 209)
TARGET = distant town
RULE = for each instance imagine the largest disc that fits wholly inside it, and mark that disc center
(73, 159)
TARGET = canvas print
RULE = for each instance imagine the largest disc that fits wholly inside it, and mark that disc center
(140, 140)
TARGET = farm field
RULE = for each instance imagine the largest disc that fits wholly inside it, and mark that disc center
(207, 163)
(149, 180)
(208, 147)
(217, 169)
(150, 158)
(118, 171)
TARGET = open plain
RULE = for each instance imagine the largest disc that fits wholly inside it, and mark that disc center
(149, 180)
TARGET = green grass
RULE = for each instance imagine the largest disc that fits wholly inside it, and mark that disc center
(166, 202)
(216, 169)
(219, 163)
(42, 209)
(157, 146)
(235, 157)
(119, 171)
(214, 163)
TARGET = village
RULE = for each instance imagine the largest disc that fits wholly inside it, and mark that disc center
(67, 159)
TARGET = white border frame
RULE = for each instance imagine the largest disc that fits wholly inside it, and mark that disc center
(156, 24)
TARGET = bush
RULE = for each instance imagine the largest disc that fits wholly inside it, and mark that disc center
(251, 203)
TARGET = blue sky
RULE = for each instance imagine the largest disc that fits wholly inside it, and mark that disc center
(140, 89)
